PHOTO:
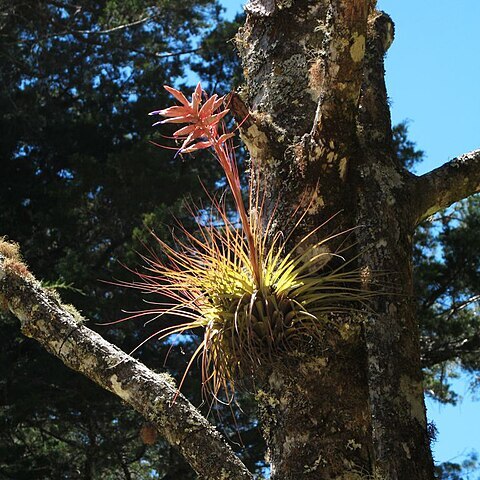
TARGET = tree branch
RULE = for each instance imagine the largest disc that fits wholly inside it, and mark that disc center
(373, 121)
(115, 29)
(77, 33)
(438, 353)
(447, 184)
(63, 334)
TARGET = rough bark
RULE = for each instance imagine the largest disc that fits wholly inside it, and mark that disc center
(398, 421)
(309, 435)
(350, 407)
(320, 127)
(155, 396)
(303, 61)
(447, 184)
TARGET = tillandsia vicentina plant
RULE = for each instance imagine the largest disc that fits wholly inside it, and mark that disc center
(253, 297)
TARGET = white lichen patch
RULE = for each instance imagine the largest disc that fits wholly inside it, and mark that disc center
(318, 152)
(167, 378)
(389, 180)
(413, 394)
(294, 441)
(34, 309)
(331, 157)
(381, 243)
(333, 70)
(266, 399)
(118, 388)
(283, 4)
(359, 474)
(357, 47)
(316, 203)
(353, 445)
(314, 93)
(295, 63)
(58, 346)
(320, 461)
(257, 143)
(353, 476)
(321, 27)
(348, 331)
(316, 366)
(276, 381)
(406, 450)
(316, 256)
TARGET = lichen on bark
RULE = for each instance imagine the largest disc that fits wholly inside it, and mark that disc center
(320, 82)
(316, 120)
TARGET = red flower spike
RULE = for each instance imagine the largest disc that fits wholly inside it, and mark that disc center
(196, 98)
(193, 136)
(218, 103)
(183, 119)
(174, 111)
(207, 108)
(202, 125)
(214, 119)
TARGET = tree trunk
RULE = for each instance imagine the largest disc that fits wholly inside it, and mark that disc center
(316, 121)
(319, 127)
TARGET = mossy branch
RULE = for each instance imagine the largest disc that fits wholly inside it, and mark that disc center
(53, 325)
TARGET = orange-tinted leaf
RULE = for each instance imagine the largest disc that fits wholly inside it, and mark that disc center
(223, 138)
(214, 119)
(175, 120)
(177, 94)
(218, 103)
(175, 111)
(207, 108)
(192, 137)
(185, 131)
(197, 146)
(197, 97)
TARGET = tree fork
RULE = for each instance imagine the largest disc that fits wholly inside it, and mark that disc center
(319, 127)
(308, 59)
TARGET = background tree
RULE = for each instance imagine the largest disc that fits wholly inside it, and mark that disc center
(79, 189)
(452, 302)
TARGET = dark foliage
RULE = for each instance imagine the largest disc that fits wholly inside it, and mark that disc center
(80, 188)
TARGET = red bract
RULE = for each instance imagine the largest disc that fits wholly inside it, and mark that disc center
(202, 119)
(203, 115)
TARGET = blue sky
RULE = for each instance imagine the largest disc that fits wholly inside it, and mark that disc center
(433, 80)
(433, 74)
